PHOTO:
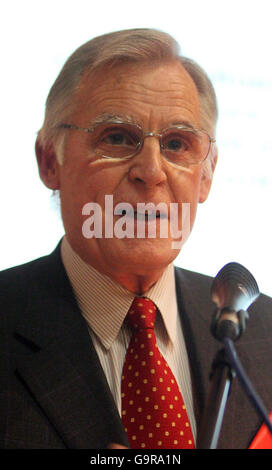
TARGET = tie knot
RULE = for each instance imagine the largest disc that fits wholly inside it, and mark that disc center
(142, 313)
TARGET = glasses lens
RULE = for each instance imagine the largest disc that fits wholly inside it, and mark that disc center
(115, 140)
(185, 147)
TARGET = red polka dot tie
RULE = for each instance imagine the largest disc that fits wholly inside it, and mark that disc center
(153, 411)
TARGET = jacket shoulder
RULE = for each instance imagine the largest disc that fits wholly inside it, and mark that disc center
(192, 277)
(14, 280)
(16, 283)
(199, 283)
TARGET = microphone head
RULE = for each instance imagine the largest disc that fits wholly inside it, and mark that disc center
(234, 287)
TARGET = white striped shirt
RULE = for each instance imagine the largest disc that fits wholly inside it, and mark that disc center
(104, 305)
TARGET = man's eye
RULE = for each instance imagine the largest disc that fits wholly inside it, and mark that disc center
(176, 144)
(118, 138)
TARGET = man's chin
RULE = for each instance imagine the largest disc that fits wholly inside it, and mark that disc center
(149, 254)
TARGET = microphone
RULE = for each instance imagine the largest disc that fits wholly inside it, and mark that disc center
(233, 290)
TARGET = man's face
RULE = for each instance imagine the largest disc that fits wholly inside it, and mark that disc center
(155, 97)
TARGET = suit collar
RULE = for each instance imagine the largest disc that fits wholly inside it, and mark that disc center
(99, 296)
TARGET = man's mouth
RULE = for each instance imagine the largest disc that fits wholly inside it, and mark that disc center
(144, 215)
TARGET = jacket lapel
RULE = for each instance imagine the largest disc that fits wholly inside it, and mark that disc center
(201, 347)
(60, 366)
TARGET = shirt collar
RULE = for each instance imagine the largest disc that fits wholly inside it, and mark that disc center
(104, 303)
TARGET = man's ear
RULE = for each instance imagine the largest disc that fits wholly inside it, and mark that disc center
(207, 176)
(47, 164)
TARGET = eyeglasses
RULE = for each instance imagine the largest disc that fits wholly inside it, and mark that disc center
(180, 145)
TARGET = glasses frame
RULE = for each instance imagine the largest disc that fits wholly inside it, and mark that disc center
(159, 135)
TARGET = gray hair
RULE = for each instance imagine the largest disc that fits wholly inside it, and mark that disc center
(135, 45)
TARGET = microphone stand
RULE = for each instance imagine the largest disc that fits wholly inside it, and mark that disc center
(220, 386)
(225, 367)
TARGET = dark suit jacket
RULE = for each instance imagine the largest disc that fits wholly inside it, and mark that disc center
(53, 392)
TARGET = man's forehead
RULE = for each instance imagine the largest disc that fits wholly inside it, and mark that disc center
(170, 73)
(167, 84)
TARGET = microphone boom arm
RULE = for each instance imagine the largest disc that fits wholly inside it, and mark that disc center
(246, 383)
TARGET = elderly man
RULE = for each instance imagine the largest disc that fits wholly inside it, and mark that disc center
(104, 340)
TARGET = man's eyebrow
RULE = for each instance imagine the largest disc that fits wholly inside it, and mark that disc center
(106, 117)
(182, 123)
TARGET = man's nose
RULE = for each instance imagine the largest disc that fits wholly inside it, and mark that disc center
(148, 165)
